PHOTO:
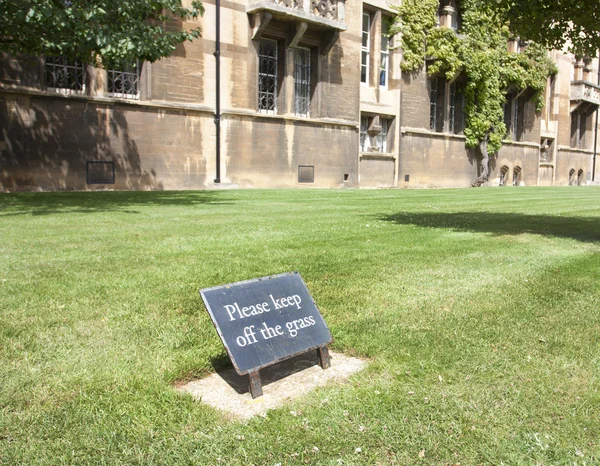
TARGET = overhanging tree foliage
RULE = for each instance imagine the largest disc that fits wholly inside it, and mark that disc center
(555, 23)
(480, 53)
(113, 31)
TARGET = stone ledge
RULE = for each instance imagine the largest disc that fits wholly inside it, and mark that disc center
(377, 155)
(435, 134)
(575, 149)
(294, 14)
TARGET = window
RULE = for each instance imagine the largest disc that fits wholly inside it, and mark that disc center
(302, 81)
(436, 104)
(503, 176)
(267, 76)
(364, 136)
(580, 177)
(514, 117)
(306, 173)
(456, 105)
(446, 106)
(448, 14)
(381, 140)
(125, 82)
(571, 177)
(384, 65)
(366, 45)
(374, 134)
(579, 123)
(517, 176)
(98, 172)
(64, 75)
(546, 150)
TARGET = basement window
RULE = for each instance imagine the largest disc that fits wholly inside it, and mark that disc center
(98, 172)
(306, 173)
(64, 75)
(125, 82)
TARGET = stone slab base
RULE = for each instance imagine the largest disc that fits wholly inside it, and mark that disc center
(282, 382)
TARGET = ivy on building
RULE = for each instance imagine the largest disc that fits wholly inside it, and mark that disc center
(478, 51)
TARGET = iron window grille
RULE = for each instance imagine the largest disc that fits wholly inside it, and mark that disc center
(64, 75)
(366, 45)
(302, 81)
(100, 172)
(124, 83)
(267, 76)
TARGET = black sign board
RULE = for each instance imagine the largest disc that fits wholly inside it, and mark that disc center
(266, 320)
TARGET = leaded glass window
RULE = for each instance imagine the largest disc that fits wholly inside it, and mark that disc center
(383, 135)
(302, 81)
(267, 76)
(366, 45)
(64, 75)
(436, 104)
(385, 54)
(364, 136)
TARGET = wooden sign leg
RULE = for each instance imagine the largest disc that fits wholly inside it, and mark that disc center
(255, 384)
(324, 358)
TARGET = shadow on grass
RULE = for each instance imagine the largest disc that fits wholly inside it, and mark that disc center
(268, 375)
(93, 202)
(585, 229)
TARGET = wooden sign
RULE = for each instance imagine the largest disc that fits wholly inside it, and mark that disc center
(266, 320)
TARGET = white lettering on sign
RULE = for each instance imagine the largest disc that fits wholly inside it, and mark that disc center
(234, 311)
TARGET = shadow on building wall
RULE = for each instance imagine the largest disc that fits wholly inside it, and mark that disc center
(584, 229)
(46, 143)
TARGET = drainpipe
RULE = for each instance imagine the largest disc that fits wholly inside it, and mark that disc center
(596, 131)
(218, 90)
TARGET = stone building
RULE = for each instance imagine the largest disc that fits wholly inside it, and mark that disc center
(311, 95)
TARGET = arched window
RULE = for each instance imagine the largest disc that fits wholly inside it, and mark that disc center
(571, 177)
(503, 176)
(517, 176)
(580, 177)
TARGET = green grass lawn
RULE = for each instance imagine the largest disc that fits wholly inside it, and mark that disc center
(479, 310)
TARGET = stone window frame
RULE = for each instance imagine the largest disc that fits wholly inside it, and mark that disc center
(376, 133)
(449, 14)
